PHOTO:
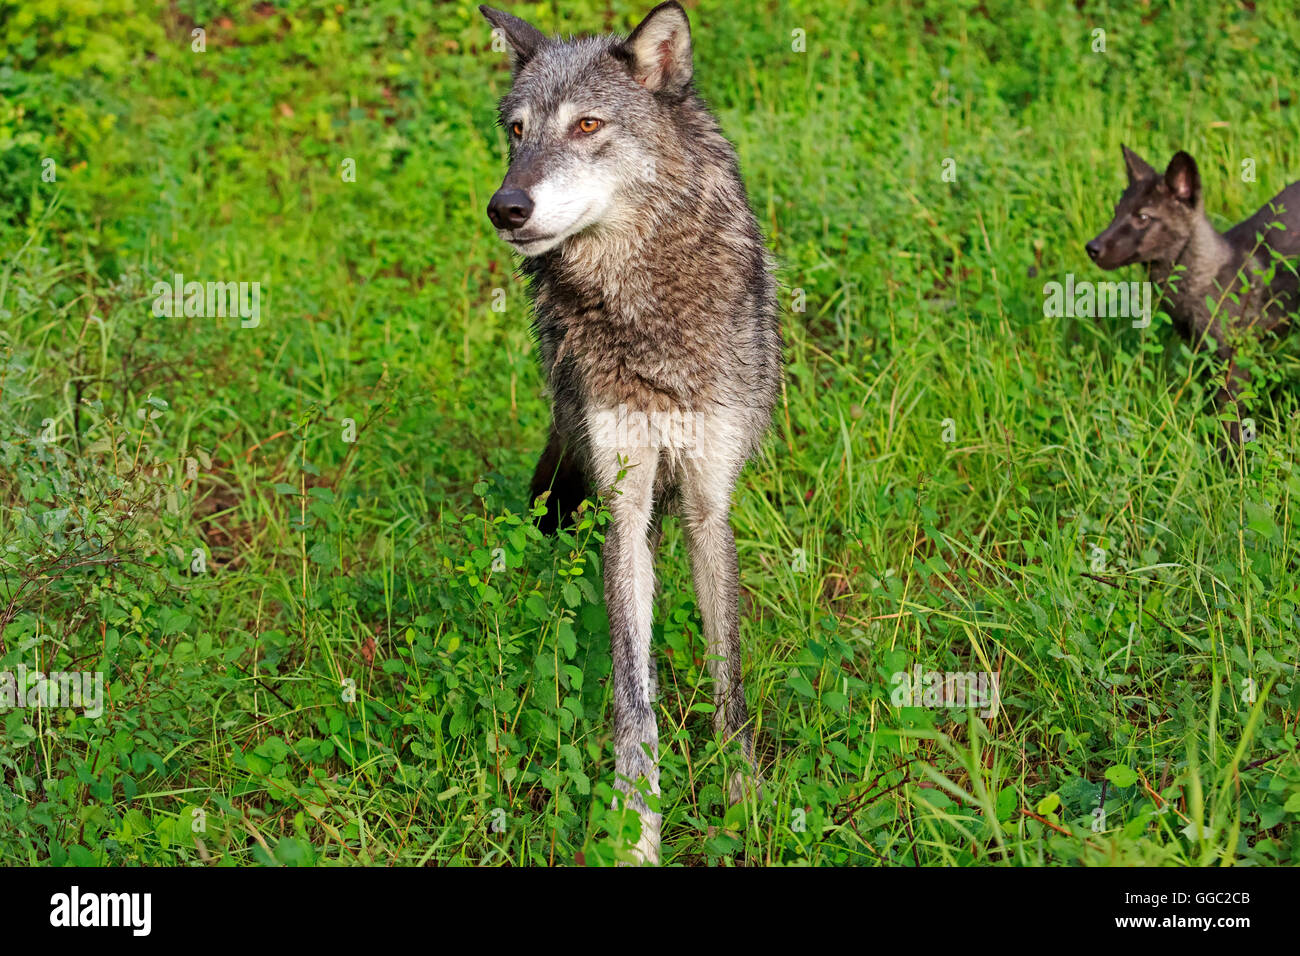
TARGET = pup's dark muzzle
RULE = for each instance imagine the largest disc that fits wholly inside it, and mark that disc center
(509, 208)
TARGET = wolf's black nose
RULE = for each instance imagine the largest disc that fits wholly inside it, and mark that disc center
(1093, 250)
(510, 208)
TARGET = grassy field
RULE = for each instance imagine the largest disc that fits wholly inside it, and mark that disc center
(300, 554)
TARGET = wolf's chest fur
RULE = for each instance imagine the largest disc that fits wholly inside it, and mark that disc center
(1208, 291)
(684, 323)
(1205, 297)
(641, 347)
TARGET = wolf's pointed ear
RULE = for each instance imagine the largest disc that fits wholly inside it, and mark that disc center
(659, 50)
(1136, 167)
(1184, 179)
(524, 38)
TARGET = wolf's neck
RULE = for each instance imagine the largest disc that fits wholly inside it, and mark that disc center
(631, 254)
(1201, 259)
(1206, 252)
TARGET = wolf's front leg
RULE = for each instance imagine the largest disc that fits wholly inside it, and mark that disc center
(1235, 380)
(629, 597)
(559, 473)
(706, 518)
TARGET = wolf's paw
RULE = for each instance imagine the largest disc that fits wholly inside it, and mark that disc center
(646, 849)
(742, 783)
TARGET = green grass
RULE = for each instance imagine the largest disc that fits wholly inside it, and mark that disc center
(381, 662)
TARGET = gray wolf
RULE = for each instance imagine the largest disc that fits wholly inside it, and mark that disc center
(657, 327)
(1243, 273)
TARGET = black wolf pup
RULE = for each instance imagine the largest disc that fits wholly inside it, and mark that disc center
(1216, 286)
(656, 322)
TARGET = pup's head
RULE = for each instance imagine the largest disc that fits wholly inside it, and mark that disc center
(583, 122)
(1155, 215)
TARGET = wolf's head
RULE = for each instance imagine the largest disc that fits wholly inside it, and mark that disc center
(585, 119)
(1155, 216)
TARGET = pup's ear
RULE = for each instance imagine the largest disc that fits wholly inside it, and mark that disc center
(524, 38)
(1183, 179)
(1136, 167)
(659, 50)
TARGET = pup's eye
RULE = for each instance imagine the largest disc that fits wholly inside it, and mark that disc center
(517, 129)
(589, 125)
(1142, 218)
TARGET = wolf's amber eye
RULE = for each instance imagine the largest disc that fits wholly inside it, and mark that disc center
(589, 125)
(517, 129)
